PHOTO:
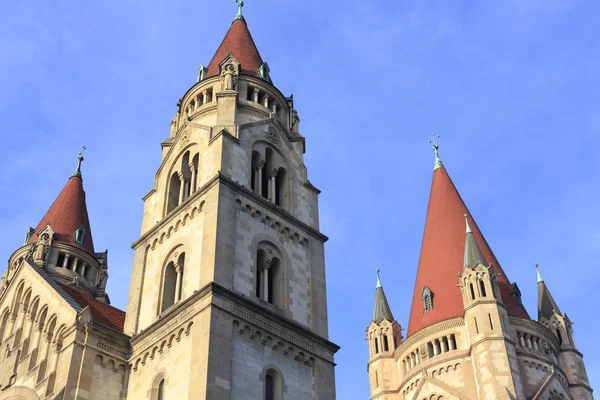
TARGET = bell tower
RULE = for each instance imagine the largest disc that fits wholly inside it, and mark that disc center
(228, 291)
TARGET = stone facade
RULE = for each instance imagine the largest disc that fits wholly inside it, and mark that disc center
(228, 293)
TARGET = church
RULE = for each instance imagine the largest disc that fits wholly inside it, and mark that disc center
(228, 296)
(469, 335)
(228, 293)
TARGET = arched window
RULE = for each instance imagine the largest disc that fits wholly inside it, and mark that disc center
(160, 392)
(174, 191)
(386, 346)
(266, 173)
(269, 275)
(427, 297)
(3, 323)
(173, 278)
(376, 346)
(482, 288)
(472, 291)
(269, 387)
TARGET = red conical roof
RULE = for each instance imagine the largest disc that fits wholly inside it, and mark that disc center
(67, 214)
(239, 42)
(442, 257)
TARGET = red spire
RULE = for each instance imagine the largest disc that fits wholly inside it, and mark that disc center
(67, 214)
(442, 257)
(239, 42)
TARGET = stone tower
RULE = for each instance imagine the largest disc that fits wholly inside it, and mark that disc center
(469, 336)
(228, 293)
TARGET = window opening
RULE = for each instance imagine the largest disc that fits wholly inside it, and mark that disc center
(491, 323)
(476, 327)
(482, 288)
(472, 291)
(161, 390)
(386, 346)
(376, 346)
(559, 336)
(269, 388)
(80, 234)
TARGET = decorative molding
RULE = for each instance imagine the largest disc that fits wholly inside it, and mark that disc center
(274, 330)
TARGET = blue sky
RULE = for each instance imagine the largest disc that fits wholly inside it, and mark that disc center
(511, 86)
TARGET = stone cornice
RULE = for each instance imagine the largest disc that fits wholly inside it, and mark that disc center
(429, 331)
(186, 309)
(280, 212)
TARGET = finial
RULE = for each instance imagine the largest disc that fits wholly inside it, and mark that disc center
(538, 273)
(240, 4)
(467, 223)
(77, 172)
(438, 162)
(378, 280)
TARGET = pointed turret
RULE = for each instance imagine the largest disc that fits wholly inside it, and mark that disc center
(444, 254)
(547, 307)
(68, 215)
(238, 41)
(381, 309)
(473, 255)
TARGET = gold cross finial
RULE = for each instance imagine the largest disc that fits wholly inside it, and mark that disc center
(77, 172)
(438, 162)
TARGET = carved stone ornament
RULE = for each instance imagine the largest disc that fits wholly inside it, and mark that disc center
(546, 348)
(185, 138)
(272, 134)
(424, 352)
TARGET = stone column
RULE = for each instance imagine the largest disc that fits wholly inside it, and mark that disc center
(66, 261)
(436, 349)
(83, 268)
(20, 323)
(535, 344)
(265, 291)
(54, 364)
(260, 166)
(273, 185)
(266, 101)
(194, 177)
(179, 271)
(274, 108)
(528, 341)
(74, 264)
(204, 97)
(444, 345)
(28, 333)
(181, 188)
(451, 346)
(255, 93)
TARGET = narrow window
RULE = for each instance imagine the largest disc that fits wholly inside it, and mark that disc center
(255, 175)
(476, 327)
(491, 323)
(281, 188)
(376, 379)
(386, 346)
(559, 336)
(169, 286)
(174, 189)
(270, 284)
(160, 393)
(269, 388)
(472, 291)
(376, 346)
(482, 288)
(427, 297)
(261, 258)
(61, 260)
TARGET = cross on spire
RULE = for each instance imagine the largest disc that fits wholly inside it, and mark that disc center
(438, 162)
(240, 4)
(378, 280)
(77, 172)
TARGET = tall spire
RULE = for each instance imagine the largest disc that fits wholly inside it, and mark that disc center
(442, 257)
(238, 41)
(473, 255)
(381, 309)
(69, 213)
(546, 304)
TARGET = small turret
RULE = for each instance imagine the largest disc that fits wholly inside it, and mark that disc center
(559, 323)
(384, 335)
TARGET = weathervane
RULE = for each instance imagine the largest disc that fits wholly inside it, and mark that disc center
(438, 162)
(240, 4)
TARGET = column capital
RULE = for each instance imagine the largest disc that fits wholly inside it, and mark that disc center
(260, 164)
(274, 172)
